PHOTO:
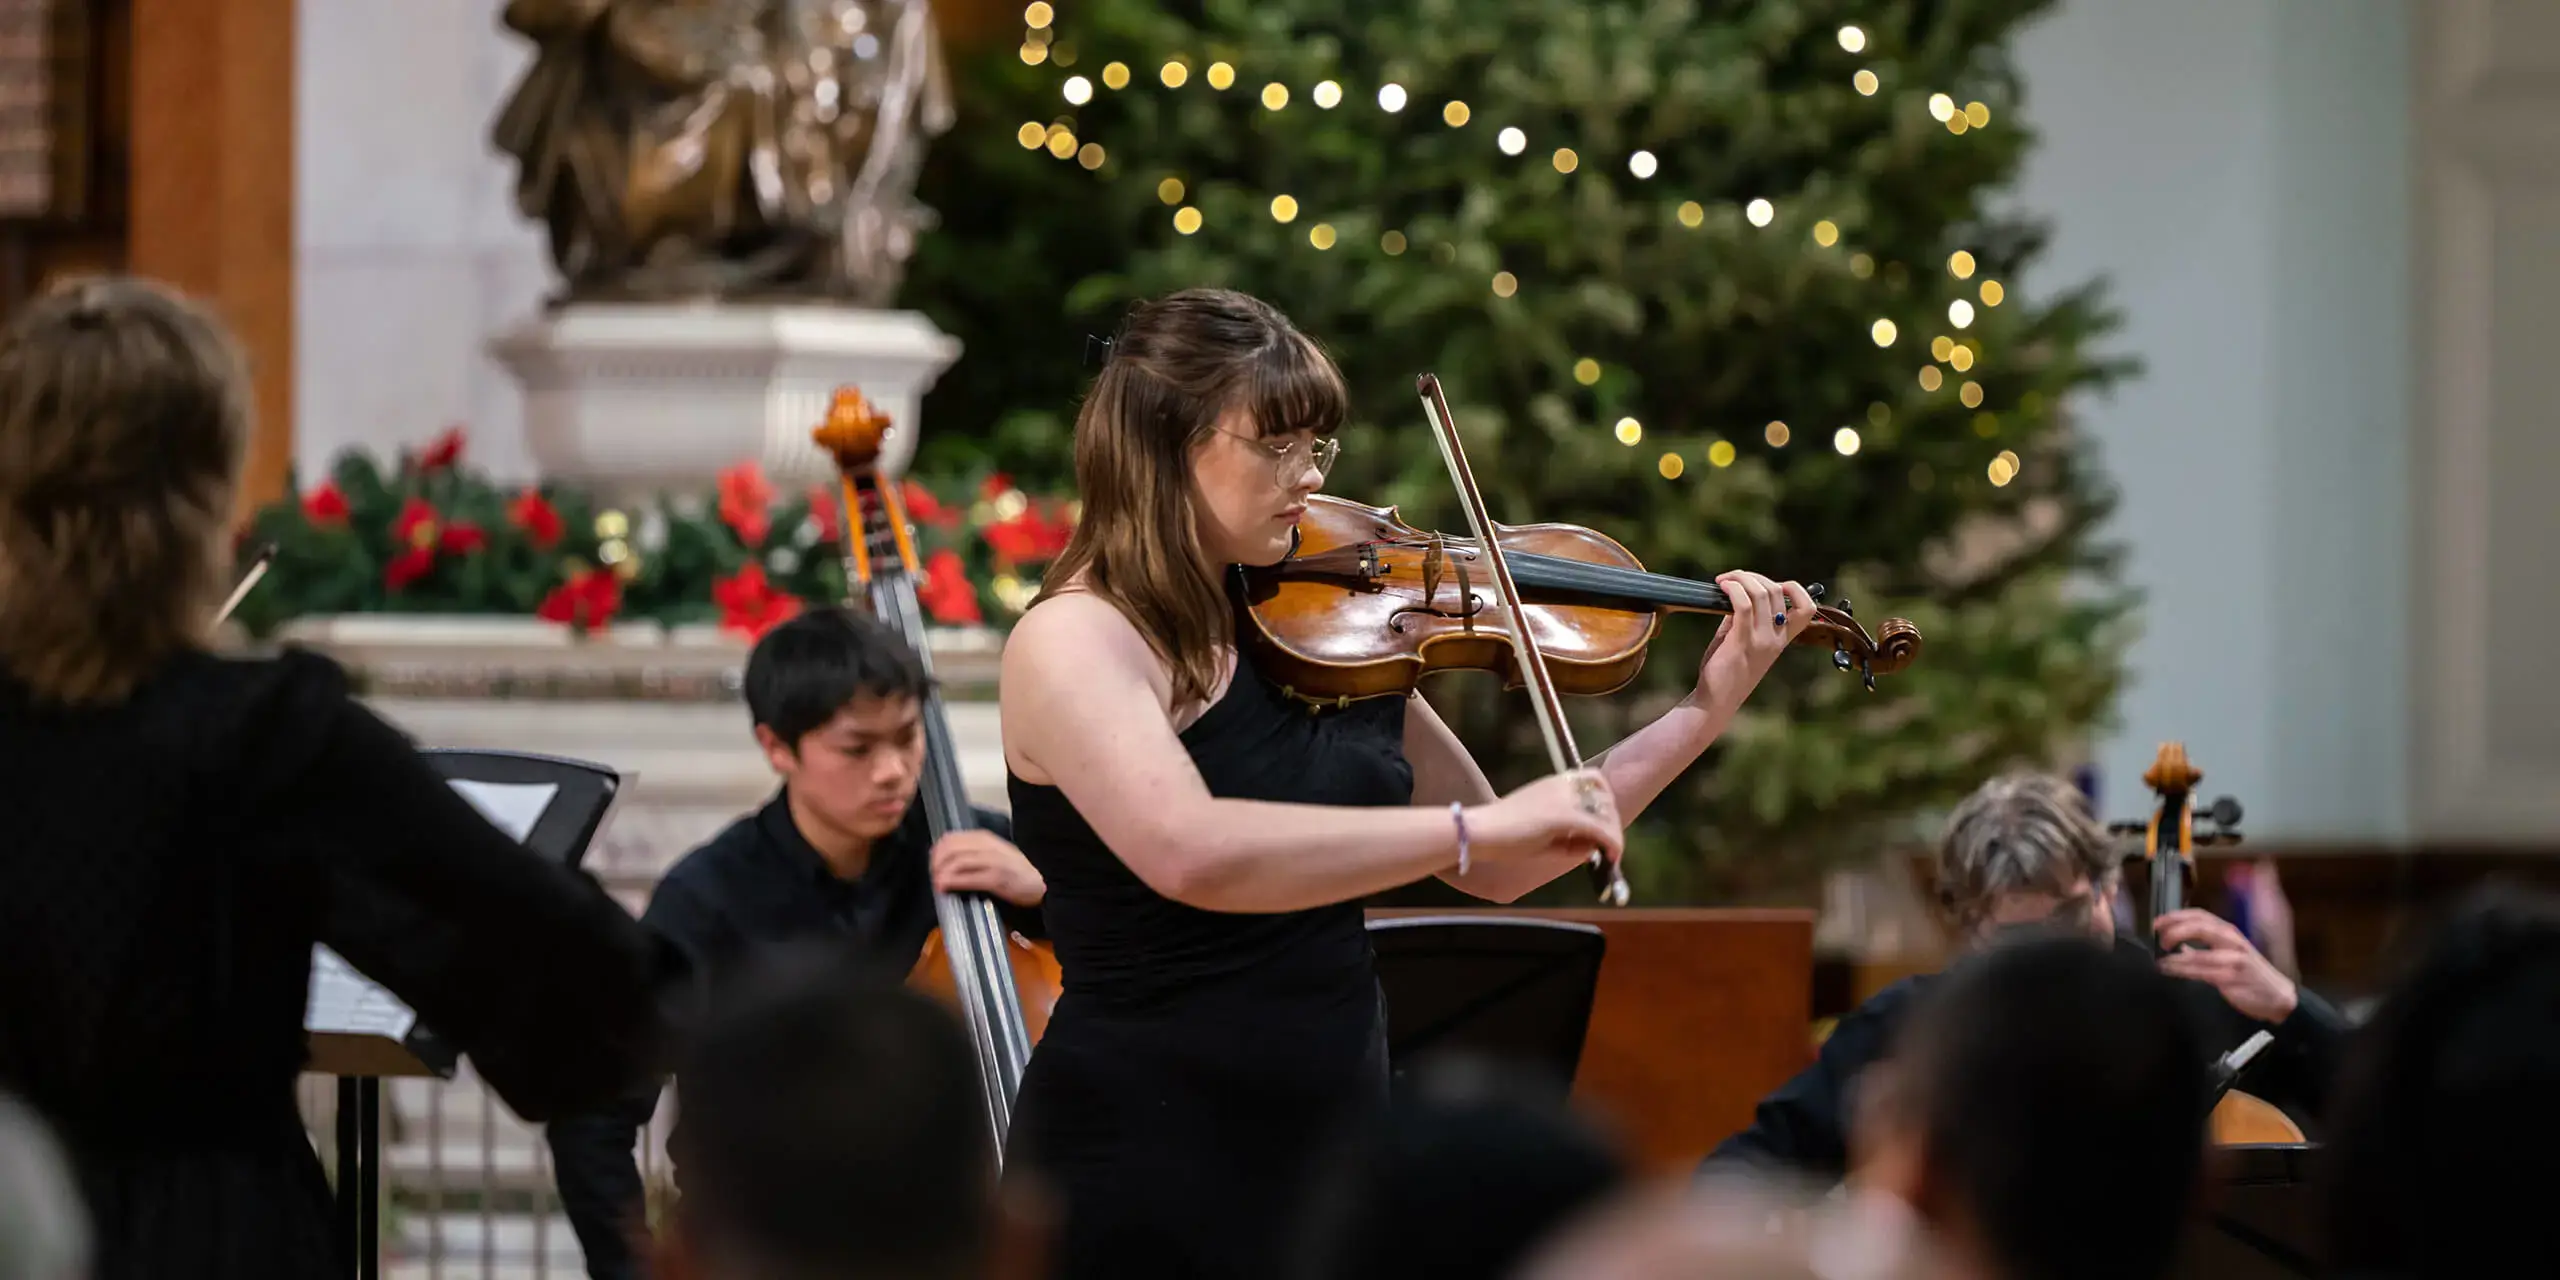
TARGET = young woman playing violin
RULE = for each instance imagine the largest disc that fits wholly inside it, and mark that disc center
(1206, 838)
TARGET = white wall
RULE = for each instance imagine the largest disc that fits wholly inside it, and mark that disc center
(2238, 168)
(408, 253)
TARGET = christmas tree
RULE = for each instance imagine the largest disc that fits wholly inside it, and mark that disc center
(1726, 281)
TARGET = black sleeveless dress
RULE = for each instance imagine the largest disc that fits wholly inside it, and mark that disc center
(1198, 1061)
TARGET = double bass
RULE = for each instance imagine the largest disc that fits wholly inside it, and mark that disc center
(1365, 606)
(1003, 986)
(2169, 842)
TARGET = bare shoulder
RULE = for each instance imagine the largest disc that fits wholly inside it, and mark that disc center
(1071, 664)
(1070, 631)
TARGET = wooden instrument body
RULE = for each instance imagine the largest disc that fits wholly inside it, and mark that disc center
(1367, 605)
(1037, 980)
(2242, 1120)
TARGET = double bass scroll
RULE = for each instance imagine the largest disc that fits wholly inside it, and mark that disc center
(988, 976)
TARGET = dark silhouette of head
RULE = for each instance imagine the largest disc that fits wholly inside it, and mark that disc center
(829, 1124)
(1469, 1169)
(2446, 1132)
(2044, 1110)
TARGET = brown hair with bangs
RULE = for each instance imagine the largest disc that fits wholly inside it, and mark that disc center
(1179, 363)
(124, 416)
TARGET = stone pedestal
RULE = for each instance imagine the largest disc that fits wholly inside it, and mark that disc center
(632, 399)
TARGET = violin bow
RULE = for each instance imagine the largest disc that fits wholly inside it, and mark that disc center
(257, 569)
(1606, 876)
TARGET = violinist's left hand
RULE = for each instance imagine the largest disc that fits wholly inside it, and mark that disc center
(2227, 963)
(1767, 616)
(986, 863)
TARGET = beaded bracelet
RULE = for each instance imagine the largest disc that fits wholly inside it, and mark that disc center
(1458, 815)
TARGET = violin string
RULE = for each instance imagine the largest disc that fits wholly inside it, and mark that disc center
(1559, 573)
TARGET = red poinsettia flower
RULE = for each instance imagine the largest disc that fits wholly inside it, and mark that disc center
(588, 600)
(326, 506)
(947, 593)
(822, 509)
(540, 521)
(415, 532)
(746, 503)
(442, 452)
(750, 604)
(408, 567)
(416, 525)
(1029, 538)
(461, 538)
(926, 508)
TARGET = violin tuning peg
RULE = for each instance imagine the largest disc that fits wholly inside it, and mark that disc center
(2128, 828)
(2225, 812)
(1840, 658)
(1869, 674)
(1843, 607)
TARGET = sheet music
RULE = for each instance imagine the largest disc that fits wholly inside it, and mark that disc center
(510, 807)
(345, 1001)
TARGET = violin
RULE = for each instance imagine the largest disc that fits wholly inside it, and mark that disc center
(1364, 606)
(1004, 986)
(2169, 842)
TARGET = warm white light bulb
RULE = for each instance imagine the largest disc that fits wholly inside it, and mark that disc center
(1641, 164)
(1512, 141)
(1391, 97)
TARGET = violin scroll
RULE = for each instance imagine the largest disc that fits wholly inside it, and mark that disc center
(1889, 651)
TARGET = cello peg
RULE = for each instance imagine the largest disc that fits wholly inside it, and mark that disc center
(1840, 657)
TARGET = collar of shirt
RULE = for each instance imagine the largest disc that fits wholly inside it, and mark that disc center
(888, 853)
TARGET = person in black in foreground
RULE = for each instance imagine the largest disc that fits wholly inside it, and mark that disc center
(2446, 1136)
(2042, 1116)
(2020, 850)
(832, 1125)
(184, 827)
(840, 854)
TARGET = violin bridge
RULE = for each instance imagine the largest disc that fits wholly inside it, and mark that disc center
(1431, 561)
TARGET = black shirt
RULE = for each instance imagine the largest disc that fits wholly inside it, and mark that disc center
(757, 885)
(1804, 1124)
(170, 860)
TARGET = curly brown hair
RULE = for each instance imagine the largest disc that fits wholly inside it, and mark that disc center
(124, 418)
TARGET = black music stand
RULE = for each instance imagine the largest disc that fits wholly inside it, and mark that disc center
(1509, 989)
(361, 1051)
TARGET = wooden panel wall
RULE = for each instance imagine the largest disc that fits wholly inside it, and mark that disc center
(212, 185)
(1699, 1014)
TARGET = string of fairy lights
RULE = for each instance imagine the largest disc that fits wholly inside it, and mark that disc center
(1953, 355)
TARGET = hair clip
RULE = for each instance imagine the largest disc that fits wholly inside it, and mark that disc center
(1093, 340)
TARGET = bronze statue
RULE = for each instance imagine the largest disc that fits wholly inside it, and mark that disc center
(726, 149)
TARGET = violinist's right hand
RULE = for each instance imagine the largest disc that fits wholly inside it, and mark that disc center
(1566, 814)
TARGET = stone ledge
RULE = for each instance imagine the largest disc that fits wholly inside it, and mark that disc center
(439, 656)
